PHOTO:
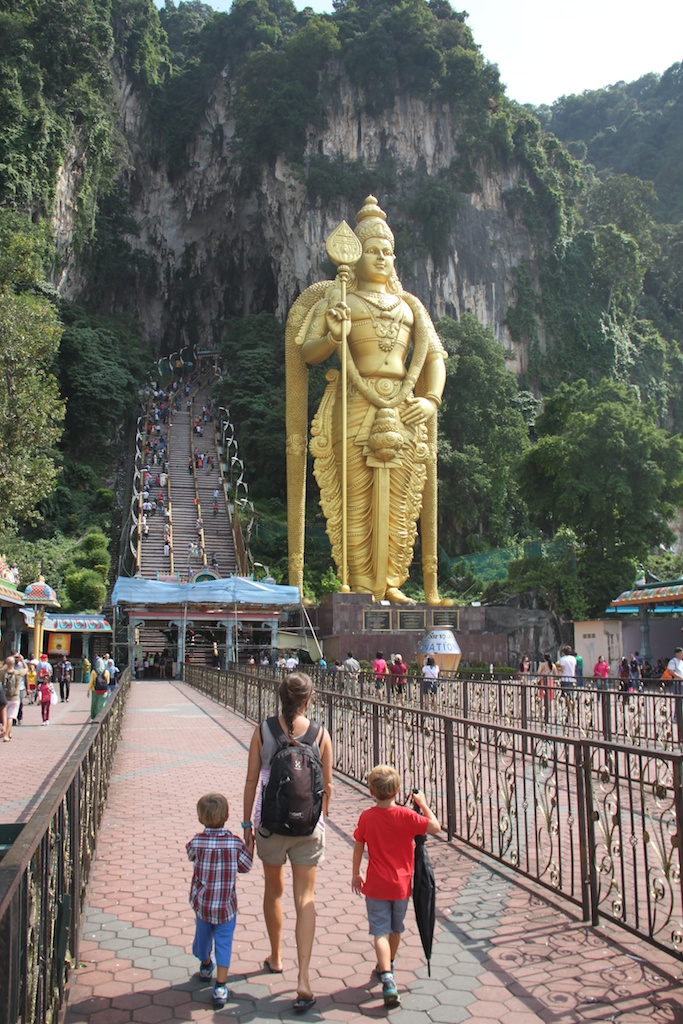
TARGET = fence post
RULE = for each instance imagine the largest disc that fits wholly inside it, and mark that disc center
(449, 761)
(525, 715)
(329, 700)
(375, 732)
(584, 807)
(678, 804)
(465, 698)
(607, 705)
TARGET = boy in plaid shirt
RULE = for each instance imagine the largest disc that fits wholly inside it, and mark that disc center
(218, 856)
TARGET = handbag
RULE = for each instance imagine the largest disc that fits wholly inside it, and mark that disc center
(54, 697)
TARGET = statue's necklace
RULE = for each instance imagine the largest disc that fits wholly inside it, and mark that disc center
(386, 326)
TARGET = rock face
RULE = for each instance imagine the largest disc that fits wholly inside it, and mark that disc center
(222, 249)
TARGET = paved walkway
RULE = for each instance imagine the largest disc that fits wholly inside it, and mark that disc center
(37, 753)
(503, 952)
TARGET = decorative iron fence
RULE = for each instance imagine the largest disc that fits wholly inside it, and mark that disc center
(651, 717)
(597, 822)
(44, 874)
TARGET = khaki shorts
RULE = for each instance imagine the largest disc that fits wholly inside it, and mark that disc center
(302, 850)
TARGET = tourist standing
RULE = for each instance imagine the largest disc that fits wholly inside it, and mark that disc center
(64, 676)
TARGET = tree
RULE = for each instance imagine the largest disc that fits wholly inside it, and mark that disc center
(253, 390)
(482, 435)
(604, 469)
(85, 591)
(31, 410)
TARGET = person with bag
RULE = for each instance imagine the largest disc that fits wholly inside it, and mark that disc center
(44, 670)
(10, 678)
(292, 759)
(64, 674)
(98, 688)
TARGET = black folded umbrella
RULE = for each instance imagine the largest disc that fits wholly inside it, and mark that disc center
(424, 897)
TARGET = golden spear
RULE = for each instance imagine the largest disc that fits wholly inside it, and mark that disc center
(344, 249)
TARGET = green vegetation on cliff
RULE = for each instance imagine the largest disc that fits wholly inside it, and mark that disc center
(598, 311)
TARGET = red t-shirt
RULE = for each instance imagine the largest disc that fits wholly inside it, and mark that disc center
(388, 834)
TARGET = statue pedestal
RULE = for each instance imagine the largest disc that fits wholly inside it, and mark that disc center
(356, 623)
(498, 634)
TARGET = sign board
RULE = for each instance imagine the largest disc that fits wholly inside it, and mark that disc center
(376, 620)
(59, 643)
(412, 619)
(446, 617)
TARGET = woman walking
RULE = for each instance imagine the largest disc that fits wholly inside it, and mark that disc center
(546, 676)
(304, 852)
(98, 688)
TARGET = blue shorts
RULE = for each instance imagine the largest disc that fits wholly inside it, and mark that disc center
(385, 916)
(206, 934)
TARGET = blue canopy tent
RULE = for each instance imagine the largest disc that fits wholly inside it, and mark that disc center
(231, 591)
(232, 604)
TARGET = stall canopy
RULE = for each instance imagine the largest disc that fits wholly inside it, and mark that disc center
(231, 591)
(667, 593)
(10, 594)
(69, 623)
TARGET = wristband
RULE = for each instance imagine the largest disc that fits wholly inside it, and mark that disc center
(246, 824)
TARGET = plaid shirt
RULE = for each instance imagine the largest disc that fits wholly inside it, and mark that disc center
(218, 855)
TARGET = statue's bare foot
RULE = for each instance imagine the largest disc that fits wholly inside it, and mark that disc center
(397, 596)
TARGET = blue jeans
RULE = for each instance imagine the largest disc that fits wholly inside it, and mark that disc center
(207, 934)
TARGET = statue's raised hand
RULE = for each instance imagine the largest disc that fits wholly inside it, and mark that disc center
(335, 316)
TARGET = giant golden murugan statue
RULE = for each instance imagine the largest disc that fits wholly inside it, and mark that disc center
(373, 438)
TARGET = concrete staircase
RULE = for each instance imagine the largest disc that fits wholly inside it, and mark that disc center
(191, 494)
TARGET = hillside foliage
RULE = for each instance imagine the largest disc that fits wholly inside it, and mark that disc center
(599, 310)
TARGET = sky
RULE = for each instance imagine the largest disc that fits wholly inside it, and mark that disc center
(546, 49)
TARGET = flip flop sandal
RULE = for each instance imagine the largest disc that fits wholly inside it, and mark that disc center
(304, 1004)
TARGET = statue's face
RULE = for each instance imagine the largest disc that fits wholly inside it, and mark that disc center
(376, 265)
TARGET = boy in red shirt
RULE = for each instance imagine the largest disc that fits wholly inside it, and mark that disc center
(388, 831)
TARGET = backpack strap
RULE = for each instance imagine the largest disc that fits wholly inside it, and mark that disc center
(313, 733)
(277, 732)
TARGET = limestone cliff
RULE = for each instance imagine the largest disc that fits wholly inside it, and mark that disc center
(223, 249)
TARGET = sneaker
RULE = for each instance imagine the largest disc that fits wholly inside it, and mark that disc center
(220, 996)
(379, 973)
(390, 993)
(206, 970)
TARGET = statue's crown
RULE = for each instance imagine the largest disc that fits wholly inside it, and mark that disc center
(372, 222)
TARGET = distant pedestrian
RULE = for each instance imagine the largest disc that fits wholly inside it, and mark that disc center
(45, 691)
(98, 687)
(64, 674)
(398, 673)
(379, 667)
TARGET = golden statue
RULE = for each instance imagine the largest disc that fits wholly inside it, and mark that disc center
(373, 442)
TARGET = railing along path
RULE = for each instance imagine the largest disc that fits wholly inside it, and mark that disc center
(43, 876)
(595, 821)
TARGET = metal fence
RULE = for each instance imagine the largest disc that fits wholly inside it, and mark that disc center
(597, 822)
(44, 874)
(651, 717)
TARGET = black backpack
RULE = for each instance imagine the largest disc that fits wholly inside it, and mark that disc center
(293, 798)
(101, 684)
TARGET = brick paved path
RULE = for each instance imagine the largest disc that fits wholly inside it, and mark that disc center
(30, 762)
(503, 952)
